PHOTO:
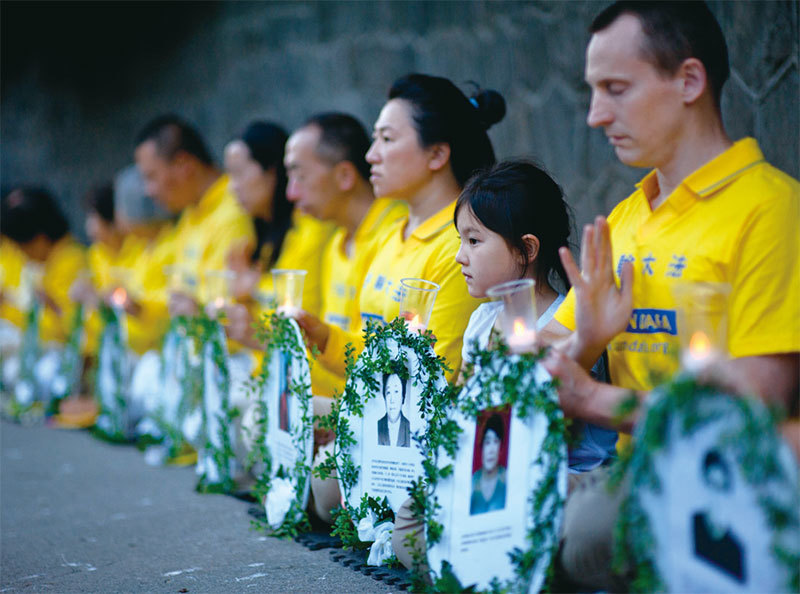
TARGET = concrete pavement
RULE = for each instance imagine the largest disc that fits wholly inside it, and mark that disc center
(81, 515)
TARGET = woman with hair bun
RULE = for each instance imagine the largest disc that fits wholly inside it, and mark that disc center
(428, 140)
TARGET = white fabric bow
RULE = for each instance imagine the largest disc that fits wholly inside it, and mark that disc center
(279, 500)
(366, 527)
(381, 549)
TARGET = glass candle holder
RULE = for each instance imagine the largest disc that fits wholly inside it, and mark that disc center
(702, 315)
(417, 297)
(288, 285)
(217, 288)
(31, 278)
(518, 318)
(179, 279)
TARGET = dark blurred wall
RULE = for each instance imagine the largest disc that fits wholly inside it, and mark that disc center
(79, 79)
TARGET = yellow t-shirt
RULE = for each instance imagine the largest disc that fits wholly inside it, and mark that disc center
(206, 231)
(301, 250)
(64, 263)
(342, 276)
(428, 253)
(12, 261)
(735, 221)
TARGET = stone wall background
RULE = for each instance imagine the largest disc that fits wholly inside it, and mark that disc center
(79, 80)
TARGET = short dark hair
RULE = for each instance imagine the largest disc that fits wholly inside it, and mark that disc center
(442, 113)
(342, 138)
(100, 199)
(713, 459)
(27, 212)
(518, 197)
(386, 377)
(495, 423)
(173, 135)
(673, 32)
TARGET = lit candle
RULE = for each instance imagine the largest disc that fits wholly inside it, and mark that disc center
(119, 296)
(288, 308)
(699, 353)
(521, 336)
(413, 321)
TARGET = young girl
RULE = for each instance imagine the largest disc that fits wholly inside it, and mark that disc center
(512, 220)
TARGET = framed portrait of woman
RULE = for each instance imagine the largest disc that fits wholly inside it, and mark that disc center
(485, 505)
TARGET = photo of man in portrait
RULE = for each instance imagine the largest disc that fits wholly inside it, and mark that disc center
(283, 392)
(489, 481)
(714, 541)
(393, 427)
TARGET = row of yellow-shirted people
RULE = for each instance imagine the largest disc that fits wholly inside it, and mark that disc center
(359, 214)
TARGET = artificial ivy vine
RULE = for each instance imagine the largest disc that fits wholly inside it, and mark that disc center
(23, 400)
(685, 399)
(70, 367)
(209, 333)
(279, 334)
(494, 371)
(113, 406)
(376, 360)
(182, 330)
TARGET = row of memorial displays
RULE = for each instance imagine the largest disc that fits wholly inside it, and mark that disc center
(486, 463)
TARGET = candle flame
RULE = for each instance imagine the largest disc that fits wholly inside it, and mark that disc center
(519, 327)
(118, 296)
(287, 302)
(415, 320)
(219, 302)
(699, 345)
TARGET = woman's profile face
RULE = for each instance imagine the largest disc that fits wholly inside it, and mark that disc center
(400, 165)
(490, 452)
(254, 187)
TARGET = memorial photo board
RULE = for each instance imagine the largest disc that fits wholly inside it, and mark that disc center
(215, 458)
(722, 476)
(387, 383)
(485, 506)
(286, 395)
(112, 377)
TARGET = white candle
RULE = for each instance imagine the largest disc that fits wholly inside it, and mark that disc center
(119, 296)
(521, 336)
(699, 354)
(413, 322)
(288, 308)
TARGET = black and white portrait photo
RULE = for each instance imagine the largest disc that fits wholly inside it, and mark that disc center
(393, 427)
(714, 540)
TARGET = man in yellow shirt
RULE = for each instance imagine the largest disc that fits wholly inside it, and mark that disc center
(711, 210)
(179, 173)
(329, 180)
